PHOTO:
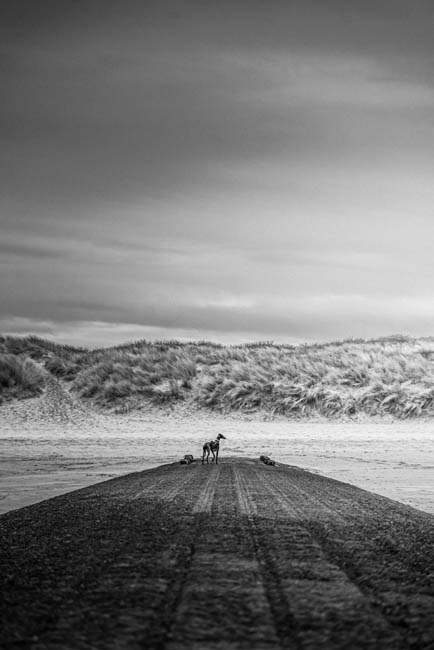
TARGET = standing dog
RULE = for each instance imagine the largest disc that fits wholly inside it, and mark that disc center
(213, 448)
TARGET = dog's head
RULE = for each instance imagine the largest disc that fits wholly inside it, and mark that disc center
(220, 436)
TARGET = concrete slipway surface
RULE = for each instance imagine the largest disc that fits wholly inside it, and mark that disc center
(238, 555)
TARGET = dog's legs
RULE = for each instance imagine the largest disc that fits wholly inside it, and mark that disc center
(206, 450)
(216, 456)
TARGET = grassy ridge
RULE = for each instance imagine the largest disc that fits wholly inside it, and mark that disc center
(391, 376)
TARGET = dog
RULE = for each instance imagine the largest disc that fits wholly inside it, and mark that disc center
(213, 448)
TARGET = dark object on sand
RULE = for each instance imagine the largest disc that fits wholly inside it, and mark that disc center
(267, 460)
(188, 458)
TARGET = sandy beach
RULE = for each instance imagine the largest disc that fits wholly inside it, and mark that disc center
(53, 444)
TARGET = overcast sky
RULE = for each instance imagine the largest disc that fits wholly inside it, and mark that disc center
(231, 170)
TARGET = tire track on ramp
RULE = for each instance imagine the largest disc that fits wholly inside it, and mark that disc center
(284, 622)
(206, 497)
(340, 502)
(121, 602)
(163, 490)
(223, 604)
(164, 481)
(298, 501)
(325, 608)
(129, 601)
(349, 539)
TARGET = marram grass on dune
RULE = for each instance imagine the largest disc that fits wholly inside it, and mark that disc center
(20, 377)
(389, 376)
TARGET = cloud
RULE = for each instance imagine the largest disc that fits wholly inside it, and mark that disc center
(95, 334)
(111, 114)
(216, 167)
(319, 318)
(19, 250)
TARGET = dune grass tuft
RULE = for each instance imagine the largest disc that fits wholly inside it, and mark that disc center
(19, 377)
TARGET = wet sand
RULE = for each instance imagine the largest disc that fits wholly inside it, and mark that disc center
(239, 555)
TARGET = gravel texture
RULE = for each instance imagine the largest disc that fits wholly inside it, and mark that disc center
(238, 555)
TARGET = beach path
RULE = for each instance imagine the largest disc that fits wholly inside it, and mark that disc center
(235, 556)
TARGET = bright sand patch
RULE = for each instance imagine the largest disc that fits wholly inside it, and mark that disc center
(46, 451)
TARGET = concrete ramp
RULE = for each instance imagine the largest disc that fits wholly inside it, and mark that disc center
(235, 556)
